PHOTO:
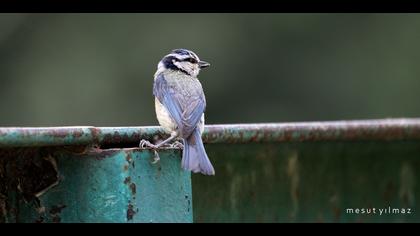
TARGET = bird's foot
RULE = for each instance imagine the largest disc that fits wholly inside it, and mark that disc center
(146, 144)
(156, 158)
(177, 144)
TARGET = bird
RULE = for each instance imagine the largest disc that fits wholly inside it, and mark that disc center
(180, 104)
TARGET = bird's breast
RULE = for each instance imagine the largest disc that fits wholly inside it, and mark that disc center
(163, 117)
(165, 120)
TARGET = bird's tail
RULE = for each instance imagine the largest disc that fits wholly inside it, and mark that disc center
(194, 157)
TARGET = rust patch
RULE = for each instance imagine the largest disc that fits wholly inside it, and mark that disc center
(253, 137)
(133, 188)
(77, 134)
(96, 134)
(130, 212)
(59, 133)
(127, 180)
(135, 136)
(128, 157)
(116, 138)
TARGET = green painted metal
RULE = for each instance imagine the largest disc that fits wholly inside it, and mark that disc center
(114, 185)
(310, 182)
(287, 172)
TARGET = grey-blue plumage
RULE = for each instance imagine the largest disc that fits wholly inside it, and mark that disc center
(194, 157)
(180, 107)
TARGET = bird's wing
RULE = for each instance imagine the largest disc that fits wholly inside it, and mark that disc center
(185, 110)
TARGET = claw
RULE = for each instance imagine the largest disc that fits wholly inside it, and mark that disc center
(145, 144)
(177, 144)
(156, 158)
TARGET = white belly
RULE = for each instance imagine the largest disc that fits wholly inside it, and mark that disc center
(162, 115)
(166, 121)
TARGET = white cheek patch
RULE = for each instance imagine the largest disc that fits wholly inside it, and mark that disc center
(181, 65)
(190, 68)
(195, 69)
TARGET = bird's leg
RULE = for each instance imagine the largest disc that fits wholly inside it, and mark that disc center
(174, 134)
(144, 143)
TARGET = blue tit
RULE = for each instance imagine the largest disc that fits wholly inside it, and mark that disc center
(180, 105)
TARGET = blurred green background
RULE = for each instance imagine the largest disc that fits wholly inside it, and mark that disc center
(97, 69)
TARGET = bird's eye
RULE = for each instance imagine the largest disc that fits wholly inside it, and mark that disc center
(192, 60)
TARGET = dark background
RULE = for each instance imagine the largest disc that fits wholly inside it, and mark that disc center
(97, 69)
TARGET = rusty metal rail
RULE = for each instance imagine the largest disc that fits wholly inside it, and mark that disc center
(42, 179)
(384, 129)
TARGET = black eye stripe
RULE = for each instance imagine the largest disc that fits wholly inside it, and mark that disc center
(192, 60)
(169, 61)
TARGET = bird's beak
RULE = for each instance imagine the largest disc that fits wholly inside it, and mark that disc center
(203, 64)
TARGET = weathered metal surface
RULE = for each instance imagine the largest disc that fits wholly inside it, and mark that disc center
(288, 172)
(310, 182)
(386, 129)
(114, 185)
(83, 135)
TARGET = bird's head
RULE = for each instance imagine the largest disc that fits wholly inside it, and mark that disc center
(182, 60)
